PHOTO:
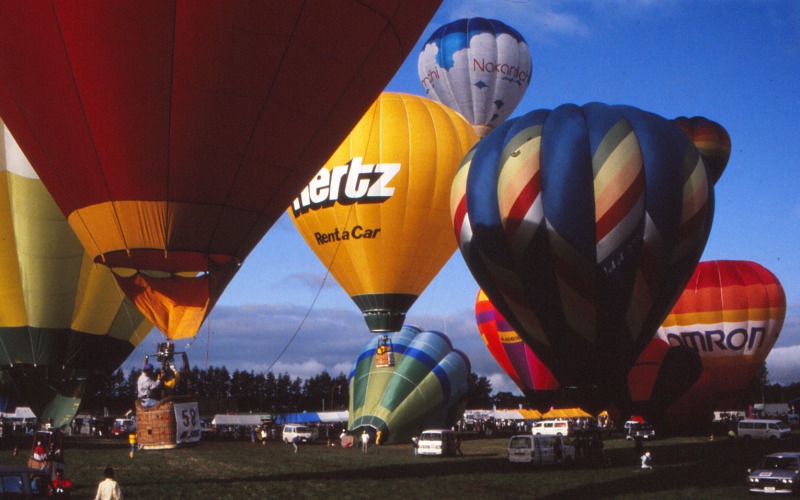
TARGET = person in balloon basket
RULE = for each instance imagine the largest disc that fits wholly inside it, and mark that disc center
(147, 384)
(108, 489)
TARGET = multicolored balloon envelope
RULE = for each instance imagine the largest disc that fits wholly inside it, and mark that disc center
(172, 134)
(517, 360)
(711, 139)
(731, 313)
(426, 388)
(582, 225)
(479, 67)
(377, 213)
(61, 316)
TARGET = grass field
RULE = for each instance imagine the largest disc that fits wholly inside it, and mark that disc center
(683, 468)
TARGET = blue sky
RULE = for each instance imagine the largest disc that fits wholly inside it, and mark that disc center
(736, 62)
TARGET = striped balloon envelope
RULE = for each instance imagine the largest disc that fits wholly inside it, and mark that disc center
(583, 224)
(731, 313)
(511, 353)
(426, 387)
(711, 139)
(62, 317)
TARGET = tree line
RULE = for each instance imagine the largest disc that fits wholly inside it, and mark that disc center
(220, 391)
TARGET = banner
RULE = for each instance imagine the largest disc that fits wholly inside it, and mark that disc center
(187, 422)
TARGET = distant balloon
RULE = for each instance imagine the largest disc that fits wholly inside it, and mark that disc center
(479, 67)
(731, 313)
(516, 358)
(377, 213)
(583, 225)
(62, 317)
(427, 387)
(711, 139)
(173, 134)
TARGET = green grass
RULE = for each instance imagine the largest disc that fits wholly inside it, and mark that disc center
(683, 468)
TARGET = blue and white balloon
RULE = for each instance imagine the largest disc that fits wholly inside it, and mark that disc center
(478, 67)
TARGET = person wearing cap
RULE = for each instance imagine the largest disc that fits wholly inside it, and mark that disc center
(147, 385)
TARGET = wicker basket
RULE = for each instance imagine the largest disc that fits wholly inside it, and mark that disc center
(156, 426)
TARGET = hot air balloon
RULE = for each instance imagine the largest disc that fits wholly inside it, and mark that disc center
(661, 374)
(479, 67)
(173, 134)
(377, 213)
(731, 313)
(62, 318)
(426, 388)
(517, 360)
(582, 225)
(711, 139)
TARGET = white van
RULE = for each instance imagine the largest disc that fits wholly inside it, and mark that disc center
(301, 431)
(437, 442)
(550, 428)
(541, 450)
(751, 428)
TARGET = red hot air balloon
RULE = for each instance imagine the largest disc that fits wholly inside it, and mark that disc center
(173, 134)
(731, 313)
(511, 353)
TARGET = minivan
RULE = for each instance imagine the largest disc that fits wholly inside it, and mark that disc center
(763, 429)
(301, 431)
(550, 428)
(437, 442)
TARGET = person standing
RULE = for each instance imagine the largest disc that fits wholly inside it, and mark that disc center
(146, 386)
(108, 489)
(364, 441)
(132, 441)
(296, 443)
(264, 436)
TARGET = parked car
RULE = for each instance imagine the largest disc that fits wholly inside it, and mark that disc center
(122, 427)
(24, 482)
(777, 473)
(750, 428)
(641, 430)
(540, 450)
(551, 428)
(437, 442)
(301, 431)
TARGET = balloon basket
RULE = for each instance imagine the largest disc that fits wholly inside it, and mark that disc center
(384, 354)
(384, 360)
(171, 423)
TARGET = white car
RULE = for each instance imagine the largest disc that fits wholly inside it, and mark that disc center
(777, 473)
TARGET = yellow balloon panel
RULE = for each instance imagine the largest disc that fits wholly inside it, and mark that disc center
(377, 214)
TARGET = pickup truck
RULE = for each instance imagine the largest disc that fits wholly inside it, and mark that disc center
(540, 450)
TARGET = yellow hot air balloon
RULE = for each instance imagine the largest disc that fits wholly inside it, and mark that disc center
(377, 214)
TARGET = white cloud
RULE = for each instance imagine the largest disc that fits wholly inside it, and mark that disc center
(503, 383)
(783, 365)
